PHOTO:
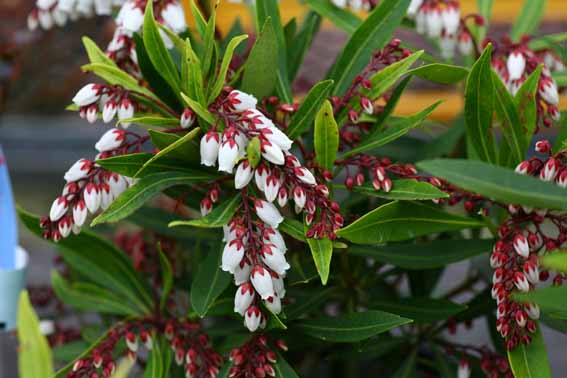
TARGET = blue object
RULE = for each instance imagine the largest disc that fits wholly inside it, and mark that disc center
(8, 225)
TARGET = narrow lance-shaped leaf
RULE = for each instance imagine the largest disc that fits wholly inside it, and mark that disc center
(440, 73)
(342, 18)
(221, 76)
(220, 215)
(303, 118)
(526, 104)
(497, 183)
(396, 221)
(556, 260)
(530, 360)
(529, 18)
(166, 276)
(402, 189)
(479, 107)
(371, 35)
(326, 136)
(322, 252)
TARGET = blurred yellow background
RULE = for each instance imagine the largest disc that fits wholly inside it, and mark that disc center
(504, 12)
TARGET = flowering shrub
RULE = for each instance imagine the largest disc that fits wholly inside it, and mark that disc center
(334, 231)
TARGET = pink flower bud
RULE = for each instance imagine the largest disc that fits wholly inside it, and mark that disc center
(366, 104)
(87, 95)
(232, 255)
(543, 146)
(125, 111)
(464, 369)
(268, 213)
(282, 197)
(274, 259)
(132, 341)
(273, 304)
(110, 140)
(523, 167)
(227, 155)
(272, 188)
(549, 170)
(242, 272)
(64, 226)
(516, 64)
(272, 152)
(305, 176)
(92, 197)
(187, 118)
(243, 298)
(262, 281)
(240, 101)
(521, 282)
(109, 111)
(209, 148)
(521, 246)
(252, 318)
(531, 271)
(58, 209)
(79, 170)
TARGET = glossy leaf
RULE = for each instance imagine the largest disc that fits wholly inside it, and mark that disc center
(341, 18)
(157, 52)
(220, 215)
(529, 18)
(419, 309)
(303, 118)
(148, 187)
(479, 107)
(402, 189)
(397, 129)
(497, 183)
(186, 151)
(129, 165)
(370, 36)
(259, 77)
(396, 221)
(209, 282)
(530, 360)
(351, 327)
(34, 354)
(440, 73)
(430, 255)
(227, 58)
(322, 252)
(326, 136)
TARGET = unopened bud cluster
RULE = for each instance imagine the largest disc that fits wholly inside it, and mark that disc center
(255, 359)
(89, 187)
(527, 234)
(514, 62)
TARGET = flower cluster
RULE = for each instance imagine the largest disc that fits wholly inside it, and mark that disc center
(90, 187)
(191, 348)
(355, 5)
(514, 62)
(255, 249)
(49, 13)
(255, 359)
(441, 19)
(111, 101)
(525, 235)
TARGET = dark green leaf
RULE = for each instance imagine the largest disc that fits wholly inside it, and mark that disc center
(351, 327)
(304, 303)
(397, 221)
(402, 189)
(550, 299)
(392, 103)
(148, 186)
(497, 183)
(201, 111)
(530, 360)
(322, 252)
(129, 165)
(220, 215)
(326, 136)
(479, 107)
(209, 282)
(187, 151)
(397, 128)
(440, 73)
(430, 255)
(303, 118)
(420, 309)
(370, 36)
(282, 368)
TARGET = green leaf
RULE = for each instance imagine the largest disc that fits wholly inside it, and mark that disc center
(259, 77)
(351, 327)
(169, 150)
(201, 111)
(150, 74)
(95, 54)
(326, 136)
(525, 101)
(550, 299)
(497, 183)
(220, 215)
(341, 18)
(530, 361)
(397, 129)
(479, 107)
(91, 298)
(282, 368)
(189, 152)
(547, 41)
(426, 310)
(303, 118)
(254, 152)
(402, 189)
(396, 221)
(159, 359)
(151, 121)
(293, 228)
(440, 73)
(560, 78)
(200, 21)
(192, 74)
(34, 354)
(307, 301)
(407, 368)
(430, 255)
(227, 58)
(270, 9)
(528, 20)
(209, 45)
(322, 252)
(509, 122)
(115, 76)
(129, 165)
(301, 44)
(157, 52)
(391, 104)
(485, 10)
(561, 140)
(209, 282)
(166, 277)
(100, 262)
(445, 143)
(556, 260)
(148, 186)
(370, 36)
